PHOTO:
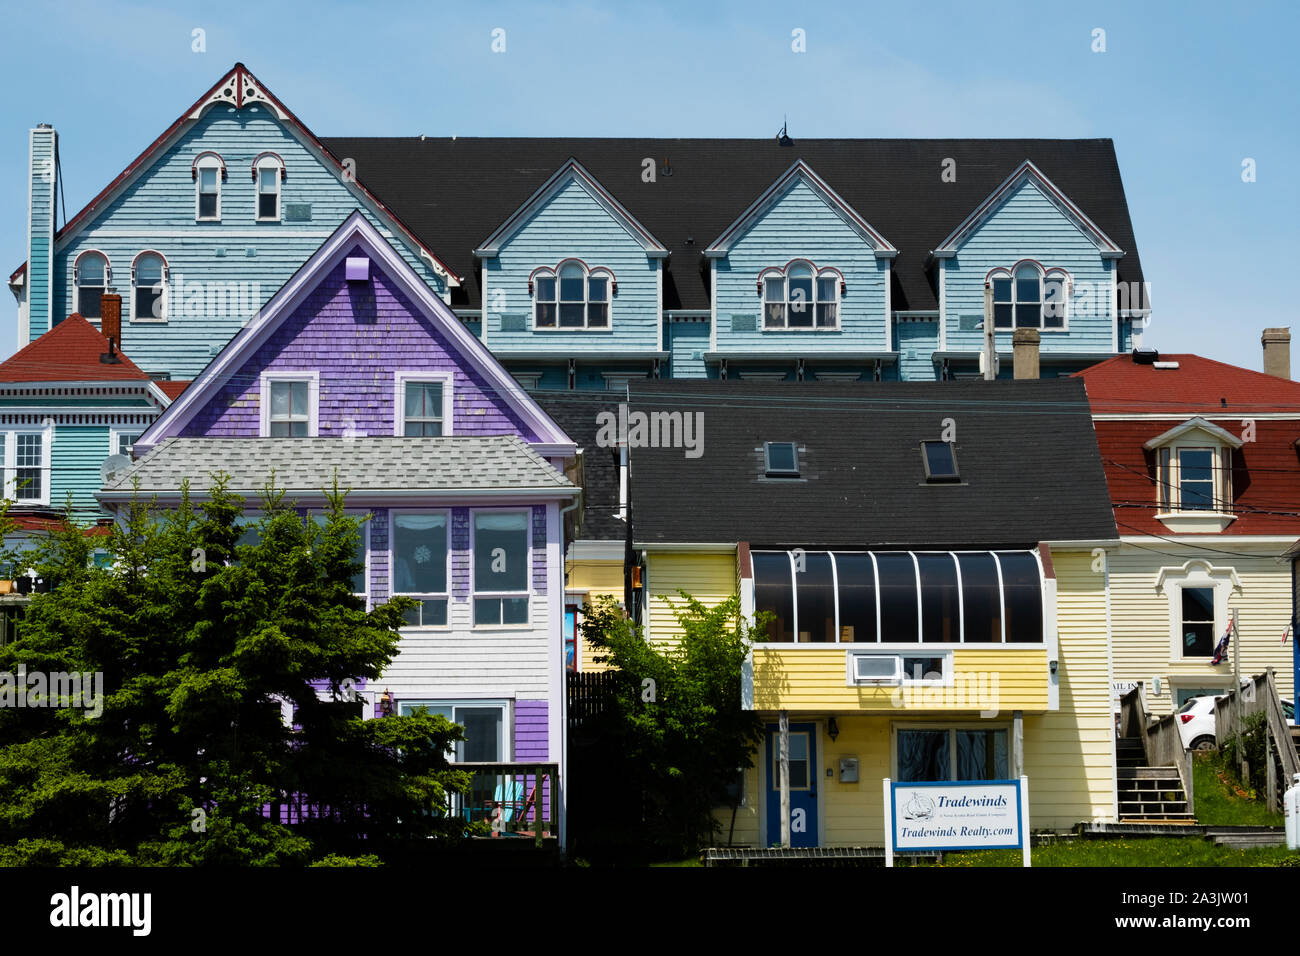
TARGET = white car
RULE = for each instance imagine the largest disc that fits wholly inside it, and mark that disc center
(1196, 721)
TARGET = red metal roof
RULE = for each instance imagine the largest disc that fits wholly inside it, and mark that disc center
(1266, 470)
(69, 352)
(1198, 386)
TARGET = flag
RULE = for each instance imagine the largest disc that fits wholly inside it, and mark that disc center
(1221, 649)
(1286, 633)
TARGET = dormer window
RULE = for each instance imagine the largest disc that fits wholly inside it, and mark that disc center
(940, 458)
(781, 459)
(1028, 296)
(209, 172)
(1194, 476)
(800, 296)
(91, 276)
(268, 174)
(572, 296)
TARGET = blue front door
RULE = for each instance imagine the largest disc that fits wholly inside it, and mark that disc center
(803, 784)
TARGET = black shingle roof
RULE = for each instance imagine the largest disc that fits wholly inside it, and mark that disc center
(1030, 468)
(575, 412)
(454, 193)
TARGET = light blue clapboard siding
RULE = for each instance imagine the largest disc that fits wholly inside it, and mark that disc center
(158, 211)
(41, 228)
(685, 341)
(916, 344)
(75, 459)
(1028, 225)
(572, 224)
(801, 225)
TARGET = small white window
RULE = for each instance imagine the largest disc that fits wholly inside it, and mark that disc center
(422, 405)
(289, 404)
(1195, 479)
(149, 288)
(26, 466)
(122, 442)
(91, 276)
(268, 175)
(209, 173)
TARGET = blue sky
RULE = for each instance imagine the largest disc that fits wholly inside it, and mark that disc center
(1186, 91)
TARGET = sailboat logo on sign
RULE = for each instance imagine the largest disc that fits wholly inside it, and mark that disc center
(918, 807)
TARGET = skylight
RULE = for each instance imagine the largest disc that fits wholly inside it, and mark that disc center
(781, 459)
(940, 461)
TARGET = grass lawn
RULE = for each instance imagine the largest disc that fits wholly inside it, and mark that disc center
(1161, 851)
(1219, 802)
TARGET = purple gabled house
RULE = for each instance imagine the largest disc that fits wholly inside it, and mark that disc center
(355, 367)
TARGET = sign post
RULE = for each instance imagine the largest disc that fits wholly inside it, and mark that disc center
(966, 815)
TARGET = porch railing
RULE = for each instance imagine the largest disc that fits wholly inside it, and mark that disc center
(517, 800)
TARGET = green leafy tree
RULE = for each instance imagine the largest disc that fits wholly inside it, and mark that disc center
(199, 641)
(678, 725)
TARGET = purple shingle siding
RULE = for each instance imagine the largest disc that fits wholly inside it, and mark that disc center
(357, 338)
(378, 557)
(530, 731)
(460, 554)
(539, 549)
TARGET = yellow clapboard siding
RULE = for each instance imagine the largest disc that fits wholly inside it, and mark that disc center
(596, 579)
(805, 678)
(710, 578)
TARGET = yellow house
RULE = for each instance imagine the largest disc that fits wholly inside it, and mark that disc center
(932, 617)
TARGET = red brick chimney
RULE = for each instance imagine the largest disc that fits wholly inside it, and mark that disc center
(110, 317)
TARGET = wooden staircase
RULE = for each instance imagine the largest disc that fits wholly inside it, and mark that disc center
(1148, 794)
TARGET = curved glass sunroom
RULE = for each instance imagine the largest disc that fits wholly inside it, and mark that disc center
(900, 597)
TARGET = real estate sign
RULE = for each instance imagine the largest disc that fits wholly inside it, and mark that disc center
(971, 815)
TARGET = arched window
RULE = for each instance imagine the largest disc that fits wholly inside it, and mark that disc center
(268, 174)
(801, 296)
(90, 276)
(572, 296)
(1027, 296)
(209, 171)
(149, 288)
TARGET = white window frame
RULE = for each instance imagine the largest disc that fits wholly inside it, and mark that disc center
(1196, 577)
(204, 162)
(1044, 274)
(312, 377)
(526, 594)
(951, 727)
(900, 676)
(400, 380)
(10, 466)
(166, 289)
(268, 161)
(588, 273)
(404, 707)
(1171, 475)
(76, 282)
(366, 516)
(115, 434)
(782, 274)
(393, 515)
